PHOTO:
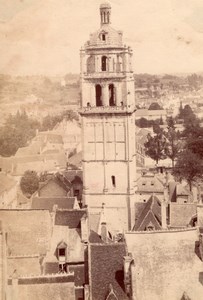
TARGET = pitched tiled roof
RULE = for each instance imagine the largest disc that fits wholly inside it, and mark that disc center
(58, 179)
(166, 264)
(79, 274)
(48, 203)
(151, 213)
(106, 267)
(28, 231)
(49, 136)
(32, 149)
(181, 213)
(70, 218)
(71, 174)
(149, 183)
(57, 290)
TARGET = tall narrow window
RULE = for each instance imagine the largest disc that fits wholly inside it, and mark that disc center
(98, 92)
(113, 180)
(112, 95)
(103, 37)
(104, 63)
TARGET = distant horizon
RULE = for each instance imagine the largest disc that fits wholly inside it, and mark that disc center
(44, 37)
(178, 74)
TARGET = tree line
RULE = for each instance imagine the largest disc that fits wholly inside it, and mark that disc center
(19, 130)
(185, 149)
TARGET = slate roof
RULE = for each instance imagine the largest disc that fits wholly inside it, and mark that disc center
(181, 213)
(79, 274)
(70, 218)
(71, 174)
(151, 213)
(166, 264)
(48, 203)
(106, 267)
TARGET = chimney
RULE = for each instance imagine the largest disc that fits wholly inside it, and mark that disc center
(15, 285)
(163, 215)
(127, 273)
(201, 246)
(104, 232)
(84, 228)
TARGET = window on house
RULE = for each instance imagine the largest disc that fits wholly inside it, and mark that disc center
(103, 37)
(113, 180)
(62, 252)
(149, 228)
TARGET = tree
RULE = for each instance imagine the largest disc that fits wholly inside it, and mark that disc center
(29, 182)
(16, 132)
(196, 146)
(155, 106)
(155, 146)
(173, 143)
(188, 167)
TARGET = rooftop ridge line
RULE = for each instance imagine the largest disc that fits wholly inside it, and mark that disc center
(163, 231)
(44, 275)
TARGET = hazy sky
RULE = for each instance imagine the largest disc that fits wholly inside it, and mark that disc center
(44, 36)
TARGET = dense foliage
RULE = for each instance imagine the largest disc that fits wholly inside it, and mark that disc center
(29, 183)
(19, 130)
(16, 133)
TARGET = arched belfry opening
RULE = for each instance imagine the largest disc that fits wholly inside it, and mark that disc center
(104, 63)
(112, 96)
(98, 93)
(105, 13)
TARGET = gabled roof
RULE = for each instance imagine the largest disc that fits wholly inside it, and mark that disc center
(106, 267)
(181, 213)
(151, 214)
(59, 179)
(71, 174)
(70, 218)
(48, 203)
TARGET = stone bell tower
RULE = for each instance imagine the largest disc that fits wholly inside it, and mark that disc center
(108, 124)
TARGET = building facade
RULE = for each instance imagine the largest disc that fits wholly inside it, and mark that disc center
(108, 123)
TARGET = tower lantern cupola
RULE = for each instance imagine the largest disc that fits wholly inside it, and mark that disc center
(105, 13)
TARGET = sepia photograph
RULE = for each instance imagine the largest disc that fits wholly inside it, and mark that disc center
(101, 150)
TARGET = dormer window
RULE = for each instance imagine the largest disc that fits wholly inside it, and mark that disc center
(61, 255)
(103, 37)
